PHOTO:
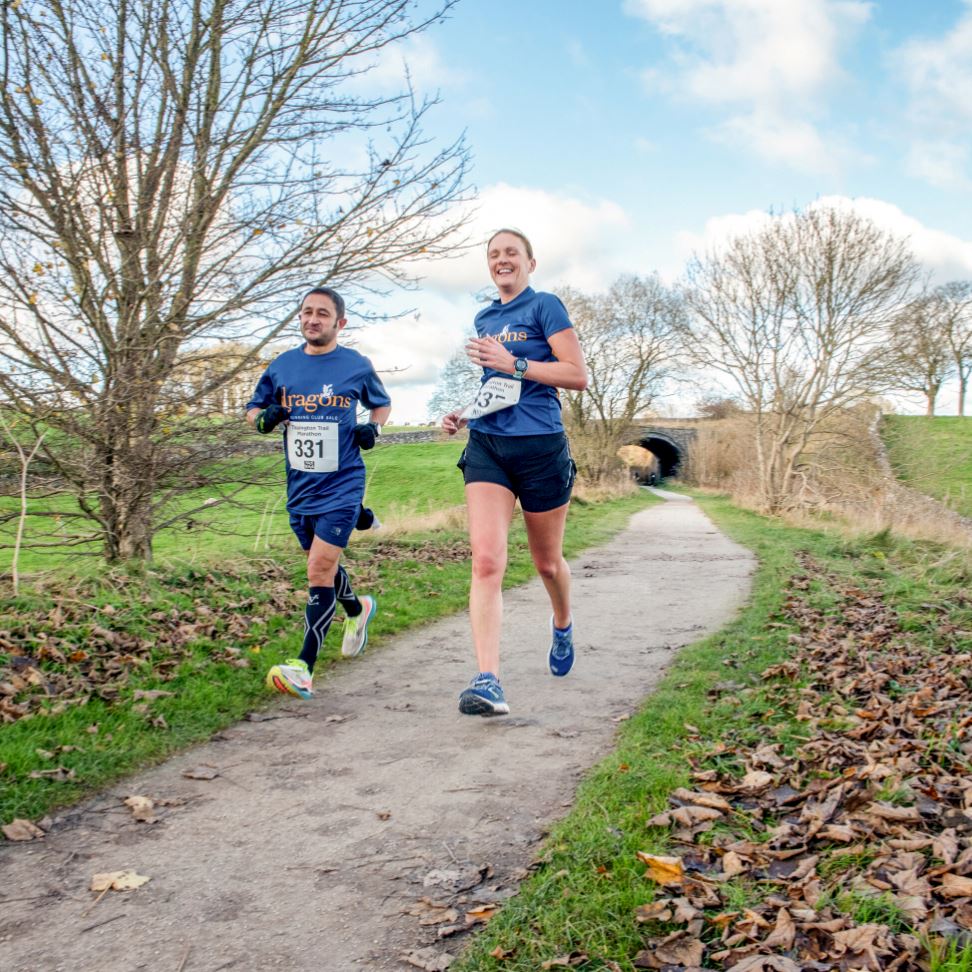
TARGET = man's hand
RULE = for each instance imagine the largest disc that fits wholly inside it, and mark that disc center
(271, 417)
(365, 434)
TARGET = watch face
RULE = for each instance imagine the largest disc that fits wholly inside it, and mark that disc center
(520, 365)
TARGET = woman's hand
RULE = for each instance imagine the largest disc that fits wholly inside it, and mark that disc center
(487, 352)
(451, 423)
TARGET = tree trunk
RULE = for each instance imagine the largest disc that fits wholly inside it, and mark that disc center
(963, 388)
(128, 471)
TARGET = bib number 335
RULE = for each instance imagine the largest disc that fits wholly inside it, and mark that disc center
(494, 394)
(313, 446)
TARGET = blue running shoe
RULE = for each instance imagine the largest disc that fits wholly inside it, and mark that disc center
(560, 658)
(483, 697)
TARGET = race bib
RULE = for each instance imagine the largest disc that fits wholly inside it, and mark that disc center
(313, 446)
(494, 394)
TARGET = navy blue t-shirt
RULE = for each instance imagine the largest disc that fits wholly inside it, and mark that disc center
(322, 391)
(523, 326)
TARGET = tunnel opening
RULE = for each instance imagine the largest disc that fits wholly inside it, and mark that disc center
(668, 454)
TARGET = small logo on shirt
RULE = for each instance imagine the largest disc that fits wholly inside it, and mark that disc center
(506, 335)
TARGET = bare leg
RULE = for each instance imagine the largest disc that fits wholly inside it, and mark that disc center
(490, 509)
(322, 563)
(545, 534)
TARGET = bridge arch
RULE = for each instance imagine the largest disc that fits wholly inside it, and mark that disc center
(666, 450)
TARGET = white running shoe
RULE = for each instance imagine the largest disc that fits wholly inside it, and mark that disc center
(356, 629)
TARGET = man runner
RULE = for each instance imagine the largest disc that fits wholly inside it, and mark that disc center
(314, 392)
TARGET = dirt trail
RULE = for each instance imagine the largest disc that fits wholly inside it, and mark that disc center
(329, 823)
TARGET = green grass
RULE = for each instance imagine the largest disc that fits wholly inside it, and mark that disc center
(423, 478)
(101, 741)
(583, 896)
(933, 455)
(949, 956)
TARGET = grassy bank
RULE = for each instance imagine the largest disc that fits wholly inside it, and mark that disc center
(756, 721)
(100, 675)
(932, 455)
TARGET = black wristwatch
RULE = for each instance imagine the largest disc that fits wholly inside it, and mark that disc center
(519, 367)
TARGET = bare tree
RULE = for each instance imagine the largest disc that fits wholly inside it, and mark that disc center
(956, 309)
(796, 315)
(921, 353)
(456, 386)
(631, 337)
(173, 174)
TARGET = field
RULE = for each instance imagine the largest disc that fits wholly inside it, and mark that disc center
(424, 480)
(933, 455)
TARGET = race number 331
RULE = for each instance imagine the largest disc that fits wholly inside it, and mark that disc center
(313, 446)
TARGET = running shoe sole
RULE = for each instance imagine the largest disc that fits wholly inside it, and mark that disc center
(471, 704)
(276, 681)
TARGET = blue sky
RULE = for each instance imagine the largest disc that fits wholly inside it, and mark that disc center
(621, 135)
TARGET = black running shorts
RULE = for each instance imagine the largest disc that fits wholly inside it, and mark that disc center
(538, 469)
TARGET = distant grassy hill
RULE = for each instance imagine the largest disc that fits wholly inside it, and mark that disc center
(933, 455)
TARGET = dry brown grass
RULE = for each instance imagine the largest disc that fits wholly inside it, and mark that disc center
(840, 481)
(399, 519)
(610, 487)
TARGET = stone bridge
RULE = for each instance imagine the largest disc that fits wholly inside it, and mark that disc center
(670, 443)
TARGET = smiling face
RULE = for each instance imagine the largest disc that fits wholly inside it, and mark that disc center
(510, 264)
(319, 323)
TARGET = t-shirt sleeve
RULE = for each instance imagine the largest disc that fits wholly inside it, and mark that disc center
(552, 315)
(263, 395)
(373, 394)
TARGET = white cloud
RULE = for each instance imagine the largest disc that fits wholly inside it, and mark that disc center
(938, 75)
(566, 232)
(944, 255)
(771, 63)
(778, 138)
(940, 163)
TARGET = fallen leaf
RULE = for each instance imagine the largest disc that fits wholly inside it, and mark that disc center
(663, 870)
(20, 829)
(732, 864)
(655, 911)
(141, 807)
(201, 773)
(565, 961)
(955, 886)
(118, 881)
(428, 959)
(481, 915)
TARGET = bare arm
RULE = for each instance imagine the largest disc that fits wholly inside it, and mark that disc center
(568, 371)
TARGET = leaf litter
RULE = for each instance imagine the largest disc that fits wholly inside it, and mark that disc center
(849, 850)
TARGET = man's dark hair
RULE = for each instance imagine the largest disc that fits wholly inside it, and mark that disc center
(327, 292)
